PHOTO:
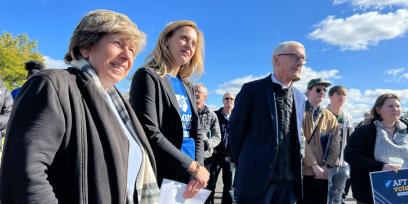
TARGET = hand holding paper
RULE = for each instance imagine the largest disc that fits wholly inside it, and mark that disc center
(171, 192)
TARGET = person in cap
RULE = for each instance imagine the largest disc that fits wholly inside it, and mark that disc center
(32, 67)
(265, 137)
(321, 132)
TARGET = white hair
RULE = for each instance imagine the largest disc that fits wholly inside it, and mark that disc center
(281, 48)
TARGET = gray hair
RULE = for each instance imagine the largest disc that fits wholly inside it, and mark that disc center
(281, 48)
(98, 23)
(196, 86)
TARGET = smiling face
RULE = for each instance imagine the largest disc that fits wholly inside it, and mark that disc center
(286, 69)
(390, 111)
(182, 45)
(316, 94)
(112, 57)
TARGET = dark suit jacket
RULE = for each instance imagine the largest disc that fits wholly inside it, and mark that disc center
(253, 136)
(154, 101)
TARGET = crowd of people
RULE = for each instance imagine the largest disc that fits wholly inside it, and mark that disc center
(72, 137)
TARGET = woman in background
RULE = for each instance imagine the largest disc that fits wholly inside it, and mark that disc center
(370, 146)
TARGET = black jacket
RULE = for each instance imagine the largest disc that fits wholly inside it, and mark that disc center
(254, 137)
(63, 145)
(155, 104)
(359, 153)
(224, 127)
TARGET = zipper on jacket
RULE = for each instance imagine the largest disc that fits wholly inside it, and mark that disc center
(276, 115)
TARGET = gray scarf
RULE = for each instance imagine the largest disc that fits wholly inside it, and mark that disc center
(146, 183)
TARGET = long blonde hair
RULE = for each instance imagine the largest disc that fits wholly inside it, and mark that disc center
(161, 59)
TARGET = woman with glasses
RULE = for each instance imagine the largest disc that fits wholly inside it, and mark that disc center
(163, 99)
(371, 146)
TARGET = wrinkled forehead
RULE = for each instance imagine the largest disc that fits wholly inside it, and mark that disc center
(297, 49)
(228, 95)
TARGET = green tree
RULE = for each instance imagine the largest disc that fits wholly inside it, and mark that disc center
(14, 51)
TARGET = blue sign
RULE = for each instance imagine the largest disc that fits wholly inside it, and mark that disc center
(389, 187)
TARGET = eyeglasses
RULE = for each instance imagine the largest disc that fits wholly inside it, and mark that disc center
(318, 90)
(295, 58)
(228, 98)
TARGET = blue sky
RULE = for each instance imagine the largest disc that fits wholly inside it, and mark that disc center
(361, 44)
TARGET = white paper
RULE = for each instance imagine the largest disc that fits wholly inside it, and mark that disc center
(171, 192)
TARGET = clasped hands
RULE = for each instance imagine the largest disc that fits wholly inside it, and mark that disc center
(199, 179)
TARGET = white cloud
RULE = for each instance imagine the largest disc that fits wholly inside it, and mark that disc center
(398, 75)
(358, 102)
(234, 85)
(377, 4)
(51, 63)
(307, 73)
(360, 31)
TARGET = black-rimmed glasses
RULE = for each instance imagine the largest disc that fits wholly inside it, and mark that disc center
(228, 98)
(295, 58)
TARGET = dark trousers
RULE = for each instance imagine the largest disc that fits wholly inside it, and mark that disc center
(221, 162)
(314, 190)
(347, 188)
(275, 193)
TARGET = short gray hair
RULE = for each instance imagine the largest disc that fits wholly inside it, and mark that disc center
(202, 86)
(98, 23)
(281, 48)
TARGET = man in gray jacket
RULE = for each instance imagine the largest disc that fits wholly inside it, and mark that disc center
(6, 103)
(210, 129)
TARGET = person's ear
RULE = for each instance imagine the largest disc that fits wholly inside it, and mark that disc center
(84, 52)
(274, 60)
(377, 110)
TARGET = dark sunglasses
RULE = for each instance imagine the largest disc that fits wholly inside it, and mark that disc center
(318, 90)
(228, 98)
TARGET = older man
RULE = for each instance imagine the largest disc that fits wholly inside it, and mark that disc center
(210, 129)
(265, 136)
(6, 103)
(221, 160)
(321, 131)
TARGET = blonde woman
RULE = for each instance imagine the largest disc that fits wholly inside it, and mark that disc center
(163, 99)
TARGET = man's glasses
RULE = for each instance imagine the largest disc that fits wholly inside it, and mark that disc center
(228, 98)
(295, 58)
(319, 90)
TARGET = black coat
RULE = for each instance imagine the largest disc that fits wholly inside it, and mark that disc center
(254, 137)
(64, 144)
(155, 104)
(359, 153)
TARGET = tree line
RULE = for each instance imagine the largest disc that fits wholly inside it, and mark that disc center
(14, 51)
